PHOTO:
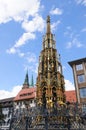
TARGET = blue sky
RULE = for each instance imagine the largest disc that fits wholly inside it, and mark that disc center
(22, 26)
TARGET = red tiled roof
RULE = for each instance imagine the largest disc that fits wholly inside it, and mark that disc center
(70, 96)
(30, 93)
(25, 94)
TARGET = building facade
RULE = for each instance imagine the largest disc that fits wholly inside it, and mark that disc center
(26, 96)
(7, 109)
(70, 96)
(79, 74)
(50, 87)
(18, 104)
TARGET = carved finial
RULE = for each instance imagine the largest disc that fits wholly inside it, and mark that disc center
(48, 19)
(48, 24)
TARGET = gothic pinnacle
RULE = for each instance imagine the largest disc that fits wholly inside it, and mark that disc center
(26, 81)
(32, 82)
(48, 24)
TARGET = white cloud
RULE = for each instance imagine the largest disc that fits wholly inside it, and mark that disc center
(27, 14)
(36, 24)
(30, 57)
(63, 68)
(12, 50)
(83, 30)
(83, 2)
(74, 42)
(30, 62)
(17, 10)
(21, 54)
(32, 68)
(78, 1)
(55, 25)
(73, 38)
(69, 85)
(68, 27)
(36, 68)
(6, 94)
(23, 39)
(12, 93)
(56, 11)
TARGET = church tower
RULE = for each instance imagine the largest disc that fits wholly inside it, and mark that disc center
(26, 81)
(50, 81)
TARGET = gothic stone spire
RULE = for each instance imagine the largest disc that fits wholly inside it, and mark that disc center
(32, 81)
(48, 25)
(26, 81)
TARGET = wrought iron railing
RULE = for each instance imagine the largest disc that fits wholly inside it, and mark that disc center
(66, 117)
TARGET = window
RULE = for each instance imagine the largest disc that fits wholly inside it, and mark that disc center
(84, 108)
(83, 92)
(79, 67)
(81, 78)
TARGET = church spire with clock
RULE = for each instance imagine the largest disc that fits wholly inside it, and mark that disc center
(50, 80)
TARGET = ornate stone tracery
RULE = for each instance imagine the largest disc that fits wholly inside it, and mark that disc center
(50, 79)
